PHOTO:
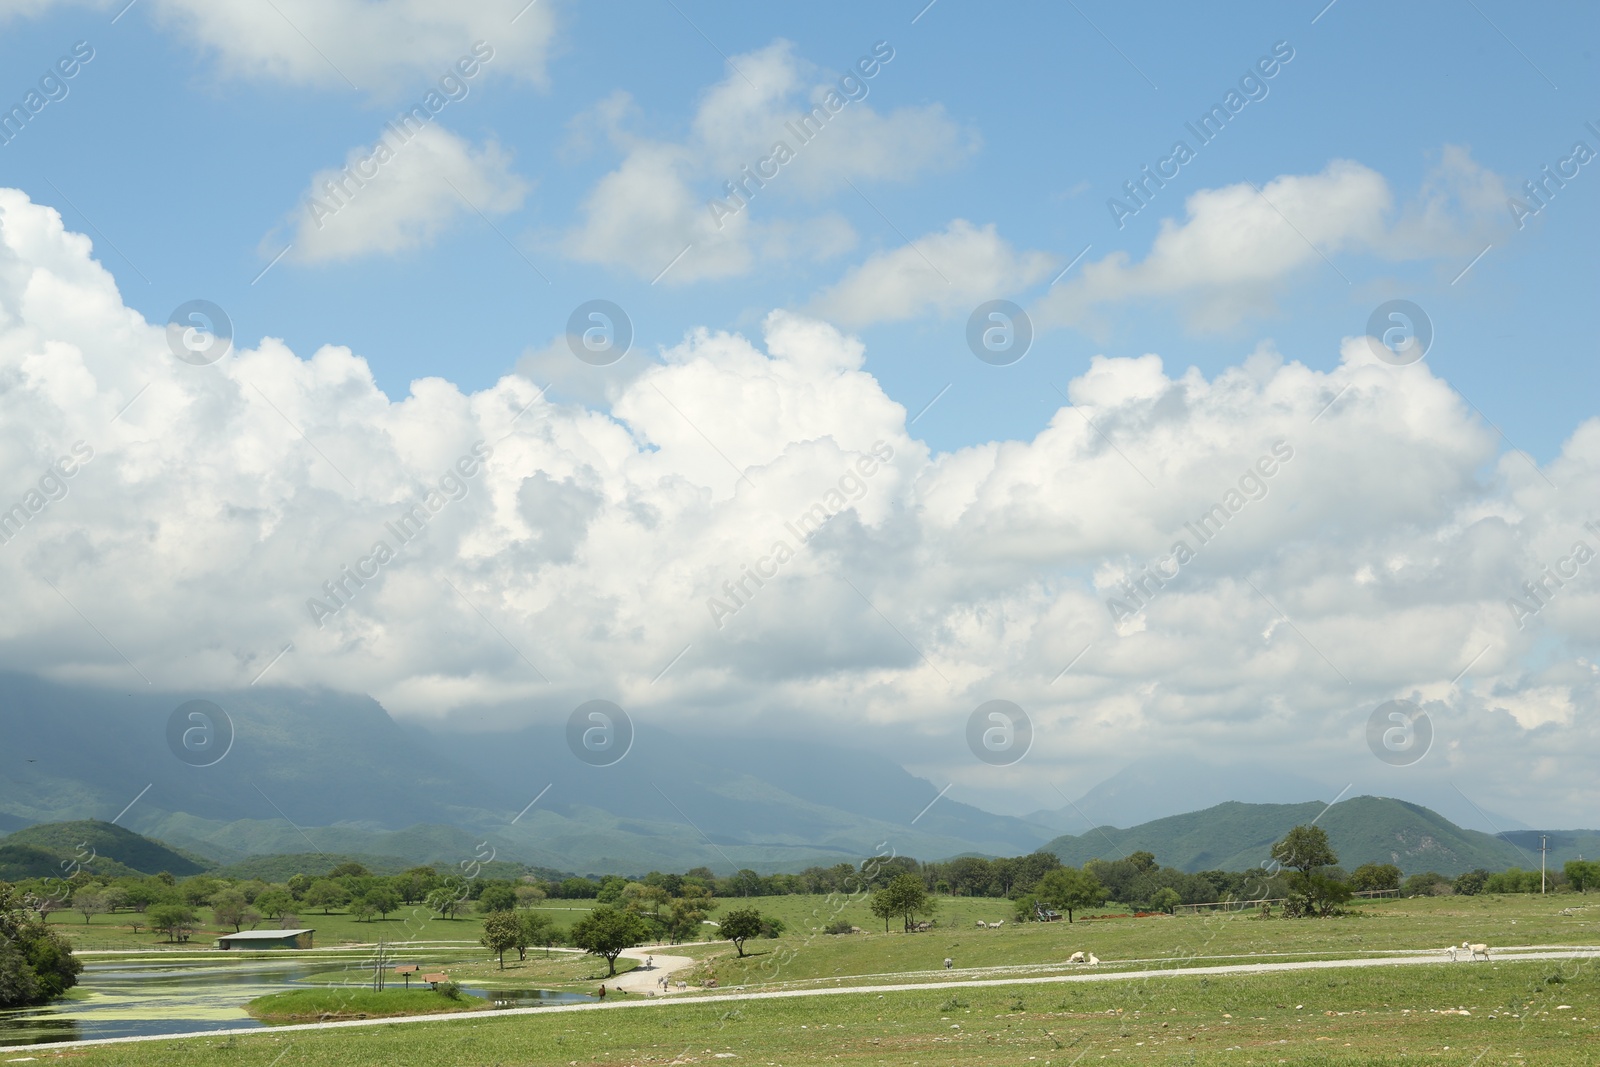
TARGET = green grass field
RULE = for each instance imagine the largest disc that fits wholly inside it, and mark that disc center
(322, 1005)
(1484, 1014)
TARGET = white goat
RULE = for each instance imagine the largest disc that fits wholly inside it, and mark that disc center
(1478, 949)
(1094, 961)
(1451, 952)
(982, 924)
(1076, 957)
(996, 926)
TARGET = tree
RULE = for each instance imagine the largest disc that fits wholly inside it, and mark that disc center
(1375, 876)
(298, 884)
(90, 902)
(363, 909)
(274, 904)
(740, 924)
(325, 893)
(1143, 862)
(1166, 899)
(1070, 889)
(175, 920)
(534, 929)
(349, 870)
(383, 900)
(1581, 874)
(229, 908)
(497, 896)
(36, 963)
(1471, 883)
(501, 930)
(445, 900)
(1306, 851)
(905, 896)
(606, 931)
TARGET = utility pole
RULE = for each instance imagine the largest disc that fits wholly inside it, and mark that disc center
(1543, 838)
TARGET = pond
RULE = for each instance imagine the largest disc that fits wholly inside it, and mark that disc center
(146, 997)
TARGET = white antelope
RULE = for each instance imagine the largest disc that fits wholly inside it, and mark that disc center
(1477, 950)
(996, 926)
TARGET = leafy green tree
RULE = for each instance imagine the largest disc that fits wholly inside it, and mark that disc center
(350, 869)
(611, 887)
(1471, 883)
(906, 896)
(274, 903)
(383, 900)
(446, 900)
(415, 884)
(326, 894)
(1581, 874)
(298, 884)
(741, 924)
(177, 921)
(36, 963)
(229, 908)
(1069, 889)
(501, 930)
(497, 896)
(1375, 876)
(363, 909)
(1166, 899)
(1305, 850)
(606, 931)
(1426, 884)
(534, 929)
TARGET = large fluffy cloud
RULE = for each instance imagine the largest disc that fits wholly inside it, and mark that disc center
(589, 552)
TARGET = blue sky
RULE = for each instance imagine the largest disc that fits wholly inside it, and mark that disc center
(1380, 156)
(186, 163)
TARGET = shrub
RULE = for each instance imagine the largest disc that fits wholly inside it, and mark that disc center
(838, 926)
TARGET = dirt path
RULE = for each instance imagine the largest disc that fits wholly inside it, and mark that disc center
(1164, 973)
(643, 979)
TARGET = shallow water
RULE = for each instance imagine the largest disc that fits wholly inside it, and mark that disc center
(137, 999)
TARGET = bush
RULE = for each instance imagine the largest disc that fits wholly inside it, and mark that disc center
(838, 926)
(451, 990)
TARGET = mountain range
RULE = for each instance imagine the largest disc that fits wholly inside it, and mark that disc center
(317, 771)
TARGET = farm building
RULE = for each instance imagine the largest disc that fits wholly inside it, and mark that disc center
(267, 939)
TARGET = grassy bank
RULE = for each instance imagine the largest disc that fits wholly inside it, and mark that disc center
(329, 1005)
(1486, 1014)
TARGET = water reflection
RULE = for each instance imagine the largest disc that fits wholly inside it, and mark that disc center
(144, 997)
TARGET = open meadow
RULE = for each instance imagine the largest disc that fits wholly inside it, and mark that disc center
(1497, 1013)
(1010, 996)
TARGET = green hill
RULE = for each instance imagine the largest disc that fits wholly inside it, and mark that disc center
(1236, 836)
(102, 848)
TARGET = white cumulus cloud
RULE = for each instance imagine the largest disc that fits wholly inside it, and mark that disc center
(399, 194)
(566, 553)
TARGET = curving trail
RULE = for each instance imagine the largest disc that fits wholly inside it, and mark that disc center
(1431, 957)
(647, 980)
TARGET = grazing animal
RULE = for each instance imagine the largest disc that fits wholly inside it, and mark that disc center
(1076, 957)
(982, 924)
(995, 926)
(1094, 961)
(683, 985)
(1477, 950)
(947, 962)
(1451, 950)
